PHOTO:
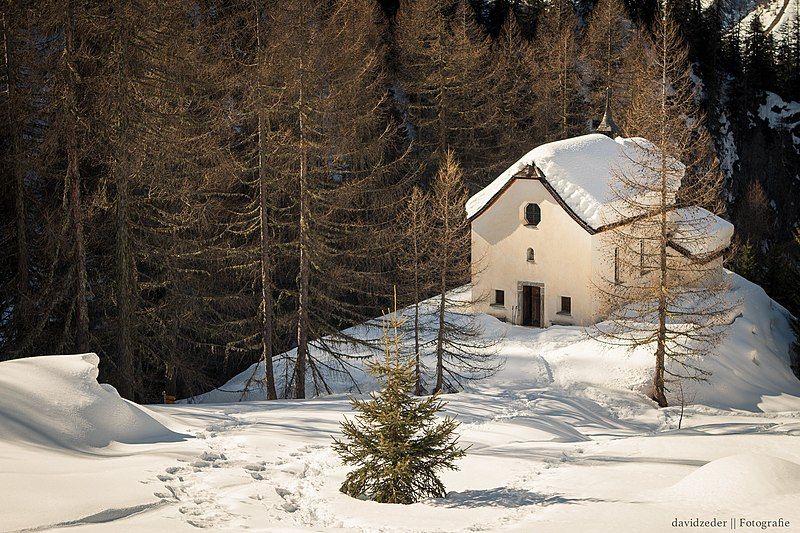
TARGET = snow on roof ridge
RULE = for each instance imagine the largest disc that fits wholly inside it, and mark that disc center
(700, 231)
(579, 169)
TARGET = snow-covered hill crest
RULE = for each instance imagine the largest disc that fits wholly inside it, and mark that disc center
(750, 369)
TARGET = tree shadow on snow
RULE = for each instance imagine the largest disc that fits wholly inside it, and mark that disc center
(503, 497)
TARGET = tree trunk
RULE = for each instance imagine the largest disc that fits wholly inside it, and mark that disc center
(304, 275)
(267, 311)
(124, 292)
(73, 178)
(443, 266)
(658, 378)
(22, 311)
(417, 373)
(302, 312)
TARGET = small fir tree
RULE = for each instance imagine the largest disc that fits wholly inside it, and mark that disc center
(396, 441)
(746, 263)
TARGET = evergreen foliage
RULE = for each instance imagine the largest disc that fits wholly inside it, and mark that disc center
(744, 262)
(395, 440)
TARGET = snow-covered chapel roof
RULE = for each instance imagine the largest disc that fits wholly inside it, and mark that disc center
(700, 232)
(579, 170)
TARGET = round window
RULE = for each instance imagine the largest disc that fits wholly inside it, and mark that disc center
(533, 214)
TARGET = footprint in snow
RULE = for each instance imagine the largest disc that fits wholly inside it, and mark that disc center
(192, 511)
(213, 457)
(289, 503)
(290, 507)
(173, 493)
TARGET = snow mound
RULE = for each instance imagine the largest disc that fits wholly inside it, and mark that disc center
(750, 369)
(56, 401)
(741, 478)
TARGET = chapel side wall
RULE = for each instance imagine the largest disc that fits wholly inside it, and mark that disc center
(603, 268)
(562, 249)
(602, 271)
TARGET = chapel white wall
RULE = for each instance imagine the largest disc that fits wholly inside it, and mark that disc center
(563, 256)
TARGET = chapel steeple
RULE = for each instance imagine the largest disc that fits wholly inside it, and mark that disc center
(607, 125)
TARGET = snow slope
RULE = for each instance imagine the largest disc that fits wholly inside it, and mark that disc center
(750, 370)
(775, 15)
(561, 439)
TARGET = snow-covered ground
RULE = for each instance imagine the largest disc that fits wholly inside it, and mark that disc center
(562, 439)
(776, 17)
(782, 115)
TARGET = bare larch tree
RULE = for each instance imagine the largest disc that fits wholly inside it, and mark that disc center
(462, 352)
(664, 288)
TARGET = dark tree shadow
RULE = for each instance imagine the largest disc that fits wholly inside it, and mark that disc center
(503, 497)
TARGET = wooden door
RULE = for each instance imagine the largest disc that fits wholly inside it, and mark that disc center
(531, 306)
(536, 306)
(526, 305)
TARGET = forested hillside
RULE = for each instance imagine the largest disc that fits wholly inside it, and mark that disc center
(187, 188)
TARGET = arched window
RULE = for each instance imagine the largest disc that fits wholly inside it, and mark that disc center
(533, 214)
(531, 256)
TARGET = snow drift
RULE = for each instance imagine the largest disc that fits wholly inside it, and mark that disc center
(56, 401)
(740, 479)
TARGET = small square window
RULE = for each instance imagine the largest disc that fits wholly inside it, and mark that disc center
(566, 305)
(499, 297)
